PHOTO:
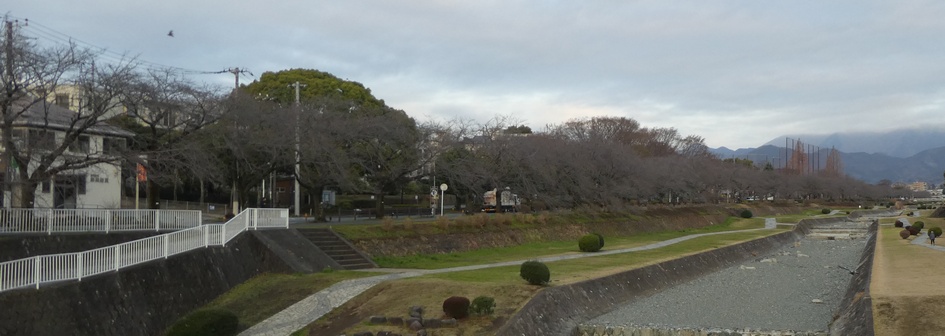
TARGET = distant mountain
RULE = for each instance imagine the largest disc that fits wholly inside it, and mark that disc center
(900, 143)
(926, 166)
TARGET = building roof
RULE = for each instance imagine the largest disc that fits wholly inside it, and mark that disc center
(43, 114)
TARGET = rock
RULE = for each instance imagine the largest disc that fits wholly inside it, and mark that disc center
(422, 332)
(364, 333)
(378, 319)
(416, 311)
(416, 325)
(769, 260)
(746, 267)
(397, 321)
(801, 255)
(412, 320)
(385, 333)
(449, 323)
(431, 323)
(817, 301)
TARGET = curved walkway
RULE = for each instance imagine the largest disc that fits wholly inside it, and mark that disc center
(923, 239)
(308, 310)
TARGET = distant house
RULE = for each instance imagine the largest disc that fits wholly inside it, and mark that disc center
(43, 127)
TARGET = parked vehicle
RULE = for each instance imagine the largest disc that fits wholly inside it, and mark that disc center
(510, 201)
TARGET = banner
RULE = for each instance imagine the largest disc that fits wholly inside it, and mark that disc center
(142, 173)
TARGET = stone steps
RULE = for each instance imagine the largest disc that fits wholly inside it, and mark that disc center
(337, 248)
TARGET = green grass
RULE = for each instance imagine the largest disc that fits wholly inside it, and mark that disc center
(576, 268)
(538, 249)
(267, 294)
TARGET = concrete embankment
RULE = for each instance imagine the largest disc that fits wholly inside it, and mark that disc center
(559, 310)
(146, 299)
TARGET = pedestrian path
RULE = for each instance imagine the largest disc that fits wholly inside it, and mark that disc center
(308, 310)
(923, 240)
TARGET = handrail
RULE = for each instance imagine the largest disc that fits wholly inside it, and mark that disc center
(38, 270)
(51, 221)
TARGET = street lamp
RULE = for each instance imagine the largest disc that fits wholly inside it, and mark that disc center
(443, 188)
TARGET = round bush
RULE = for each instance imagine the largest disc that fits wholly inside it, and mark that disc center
(206, 322)
(456, 307)
(601, 239)
(904, 234)
(825, 211)
(937, 230)
(919, 224)
(589, 243)
(898, 223)
(535, 272)
(482, 305)
(746, 214)
(913, 230)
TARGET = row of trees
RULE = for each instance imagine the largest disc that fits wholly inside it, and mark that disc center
(343, 138)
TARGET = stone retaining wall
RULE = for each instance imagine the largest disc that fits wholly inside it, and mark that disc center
(139, 300)
(855, 315)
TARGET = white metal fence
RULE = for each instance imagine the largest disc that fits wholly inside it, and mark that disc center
(38, 270)
(95, 220)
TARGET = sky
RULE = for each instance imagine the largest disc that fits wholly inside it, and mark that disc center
(737, 73)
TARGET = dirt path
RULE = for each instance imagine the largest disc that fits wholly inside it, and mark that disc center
(907, 287)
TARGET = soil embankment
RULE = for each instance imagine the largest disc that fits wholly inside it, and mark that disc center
(477, 235)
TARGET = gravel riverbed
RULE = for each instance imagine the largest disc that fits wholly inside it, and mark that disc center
(798, 287)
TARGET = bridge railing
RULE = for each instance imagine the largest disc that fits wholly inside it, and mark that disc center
(51, 221)
(38, 270)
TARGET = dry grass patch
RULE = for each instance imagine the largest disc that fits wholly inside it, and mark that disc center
(907, 296)
(394, 298)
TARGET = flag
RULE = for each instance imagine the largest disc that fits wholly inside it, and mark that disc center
(142, 173)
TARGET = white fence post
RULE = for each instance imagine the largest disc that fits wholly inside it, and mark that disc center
(37, 265)
(108, 220)
(157, 220)
(78, 265)
(255, 219)
(49, 222)
(117, 257)
(166, 239)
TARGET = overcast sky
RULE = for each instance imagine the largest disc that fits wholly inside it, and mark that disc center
(738, 73)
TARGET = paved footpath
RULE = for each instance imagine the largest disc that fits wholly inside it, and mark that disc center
(308, 310)
(923, 239)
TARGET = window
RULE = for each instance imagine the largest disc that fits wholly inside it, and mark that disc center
(46, 187)
(280, 189)
(81, 144)
(112, 145)
(62, 99)
(42, 139)
(80, 184)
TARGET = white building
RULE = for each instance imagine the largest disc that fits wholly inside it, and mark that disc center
(45, 126)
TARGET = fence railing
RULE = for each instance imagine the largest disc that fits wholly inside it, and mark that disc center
(38, 270)
(95, 220)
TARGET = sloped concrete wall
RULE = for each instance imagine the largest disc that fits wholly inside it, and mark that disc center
(855, 315)
(558, 310)
(140, 300)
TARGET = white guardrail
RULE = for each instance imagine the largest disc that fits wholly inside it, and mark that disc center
(95, 220)
(37, 270)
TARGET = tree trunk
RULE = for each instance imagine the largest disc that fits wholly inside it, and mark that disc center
(154, 195)
(23, 194)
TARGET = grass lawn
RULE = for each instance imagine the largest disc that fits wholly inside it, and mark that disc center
(539, 249)
(267, 294)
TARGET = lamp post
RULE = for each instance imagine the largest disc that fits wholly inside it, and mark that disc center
(443, 188)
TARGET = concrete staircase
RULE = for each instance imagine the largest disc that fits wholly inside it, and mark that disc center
(339, 249)
(839, 230)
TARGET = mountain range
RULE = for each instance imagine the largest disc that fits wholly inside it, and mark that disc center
(898, 156)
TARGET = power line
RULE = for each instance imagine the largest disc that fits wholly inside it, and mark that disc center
(41, 31)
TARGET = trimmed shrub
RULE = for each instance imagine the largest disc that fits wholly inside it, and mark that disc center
(825, 211)
(601, 239)
(589, 243)
(905, 234)
(898, 223)
(913, 230)
(919, 224)
(206, 322)
(937, 230)
(456, 307)
(482, 305)
(746, 214)
(535, 272)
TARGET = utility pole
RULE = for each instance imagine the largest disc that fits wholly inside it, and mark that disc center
(234, 198)
(298, 111)
(8, 79)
